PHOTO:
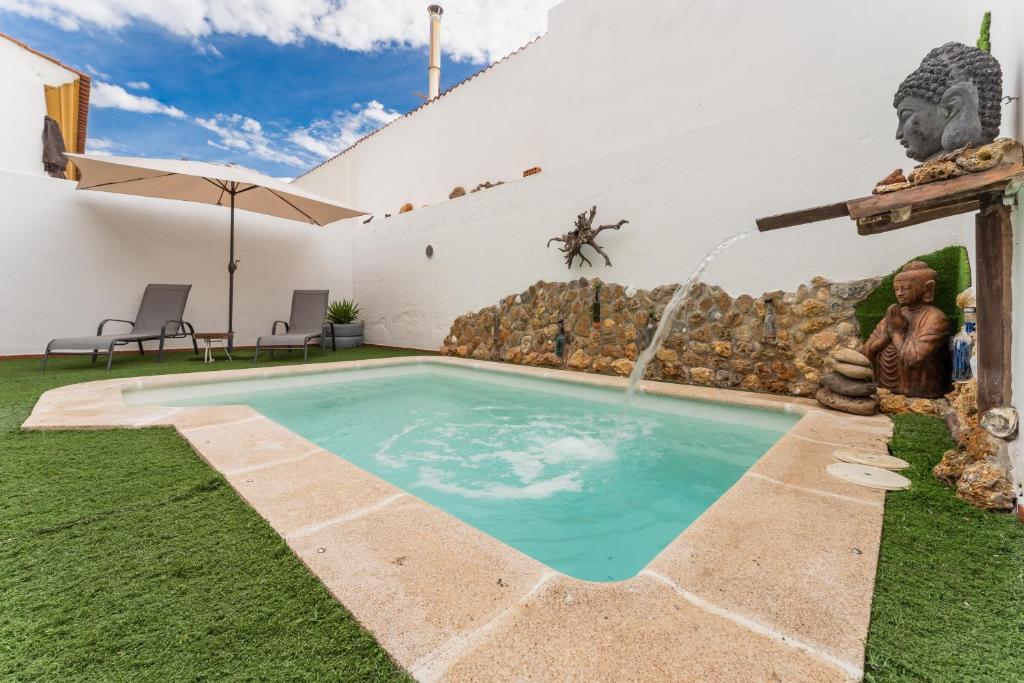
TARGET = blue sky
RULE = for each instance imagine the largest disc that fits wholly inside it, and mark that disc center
(277, 93)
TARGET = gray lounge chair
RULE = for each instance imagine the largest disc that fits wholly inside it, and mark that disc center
(159, 318)
(306, 323)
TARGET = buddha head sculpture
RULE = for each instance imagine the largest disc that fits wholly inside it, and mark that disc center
(915, 284)
(952, 100)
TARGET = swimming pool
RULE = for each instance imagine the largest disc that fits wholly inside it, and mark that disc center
(557, 470)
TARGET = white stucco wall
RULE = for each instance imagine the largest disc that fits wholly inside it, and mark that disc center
(691, 119)
(492, 243)
(22, 77)
(608, 77)
(71, 258)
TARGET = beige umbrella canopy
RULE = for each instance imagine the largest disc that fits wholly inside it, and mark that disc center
(220, 184)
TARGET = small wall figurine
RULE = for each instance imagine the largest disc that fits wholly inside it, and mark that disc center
(909, 348)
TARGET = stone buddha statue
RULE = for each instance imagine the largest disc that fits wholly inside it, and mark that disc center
(952, 100)
(909, 348)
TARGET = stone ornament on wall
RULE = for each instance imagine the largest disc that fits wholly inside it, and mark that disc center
(584, 235)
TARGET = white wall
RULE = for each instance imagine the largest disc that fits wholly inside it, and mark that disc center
(609, 77)
(71, 258)
(492, 243)
(22, 78)
(690, 119)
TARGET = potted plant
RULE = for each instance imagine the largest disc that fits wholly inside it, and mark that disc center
(343, 323)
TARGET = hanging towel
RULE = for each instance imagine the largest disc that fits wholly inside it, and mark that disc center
(54, 161)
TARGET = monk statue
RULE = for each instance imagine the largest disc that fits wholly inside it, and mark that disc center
(951, 101)
(909, 348)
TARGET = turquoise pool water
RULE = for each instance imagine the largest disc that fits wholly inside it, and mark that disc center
(557, 470)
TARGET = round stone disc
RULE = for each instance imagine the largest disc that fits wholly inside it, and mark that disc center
(883, 460)
(871, 477)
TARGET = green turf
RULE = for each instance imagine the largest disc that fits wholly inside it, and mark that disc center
(123, 557)
(949, 596)
(954, 271)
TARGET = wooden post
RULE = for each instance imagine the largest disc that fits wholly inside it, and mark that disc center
(994, 244)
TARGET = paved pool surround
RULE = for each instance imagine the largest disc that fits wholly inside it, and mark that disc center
(773, 582)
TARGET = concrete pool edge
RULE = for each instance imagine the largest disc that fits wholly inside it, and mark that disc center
(775, 578)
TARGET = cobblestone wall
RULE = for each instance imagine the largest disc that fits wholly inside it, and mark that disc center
(716, 340)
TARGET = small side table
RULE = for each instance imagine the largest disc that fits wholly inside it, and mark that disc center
(209, 338)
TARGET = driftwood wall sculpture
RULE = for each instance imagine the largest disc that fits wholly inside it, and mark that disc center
(583, 235)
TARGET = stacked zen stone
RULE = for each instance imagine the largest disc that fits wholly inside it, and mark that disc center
(850, 386)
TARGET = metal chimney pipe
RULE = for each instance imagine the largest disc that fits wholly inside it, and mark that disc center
(434, 68)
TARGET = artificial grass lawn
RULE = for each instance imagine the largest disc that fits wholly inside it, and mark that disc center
(949, 595)
(124, 557)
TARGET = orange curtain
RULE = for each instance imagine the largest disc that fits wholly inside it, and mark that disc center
(62, 106)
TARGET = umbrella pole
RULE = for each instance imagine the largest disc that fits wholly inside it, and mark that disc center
(232, 266)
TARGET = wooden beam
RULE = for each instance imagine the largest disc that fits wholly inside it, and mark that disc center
(876, 225)
(994, 253)
(802, 217)
(965, 187)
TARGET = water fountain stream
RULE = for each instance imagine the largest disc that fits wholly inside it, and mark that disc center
(669, 314)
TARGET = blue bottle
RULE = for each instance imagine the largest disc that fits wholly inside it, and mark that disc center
(963, 346)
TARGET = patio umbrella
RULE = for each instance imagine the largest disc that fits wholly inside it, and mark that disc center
(220, 184)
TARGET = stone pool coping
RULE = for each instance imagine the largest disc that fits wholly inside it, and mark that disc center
(772, 582)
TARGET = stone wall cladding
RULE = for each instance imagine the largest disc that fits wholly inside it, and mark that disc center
(716, 340)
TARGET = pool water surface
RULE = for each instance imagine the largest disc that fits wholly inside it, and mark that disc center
(559, 471)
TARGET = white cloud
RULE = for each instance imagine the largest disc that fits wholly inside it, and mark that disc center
(115, 97)
(208, 49)
(96, 72)
(301, 147)
(477, 30)
(101, 146)
(137, 85)
(236, 134)
(241, 134)
(326, 138)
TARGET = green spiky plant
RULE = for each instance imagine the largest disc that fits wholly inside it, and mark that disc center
(984, 44)
(342, 312)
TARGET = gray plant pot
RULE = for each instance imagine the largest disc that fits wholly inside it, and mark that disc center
(346, 336)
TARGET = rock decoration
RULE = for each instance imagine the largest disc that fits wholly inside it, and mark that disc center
(953, 165)
(457, 191)
(850, 386)
(1001, 422)
(985, 485)
(715, 338)
(406, 208)
(977, 468)
(486, 185)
